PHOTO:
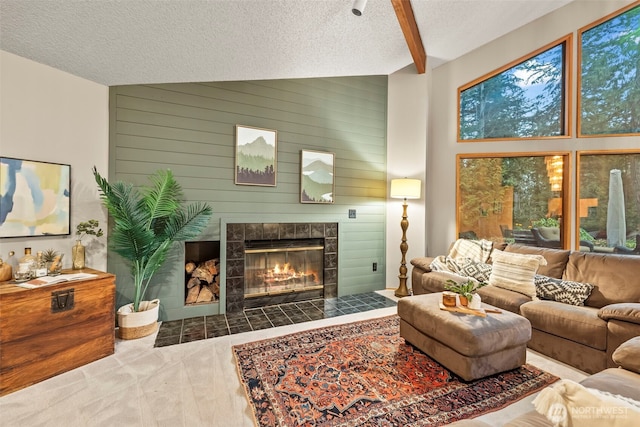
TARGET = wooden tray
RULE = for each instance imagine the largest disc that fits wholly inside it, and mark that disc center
(465, 310)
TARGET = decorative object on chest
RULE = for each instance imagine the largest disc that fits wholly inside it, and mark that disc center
(90, 228)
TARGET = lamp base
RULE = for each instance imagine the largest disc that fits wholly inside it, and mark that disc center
(402, 290)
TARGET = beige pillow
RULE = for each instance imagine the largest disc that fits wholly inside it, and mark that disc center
(567, 403)
(627, 355)
(516, 272)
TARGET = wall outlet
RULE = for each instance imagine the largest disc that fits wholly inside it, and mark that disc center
(352, 213)
(375, 266)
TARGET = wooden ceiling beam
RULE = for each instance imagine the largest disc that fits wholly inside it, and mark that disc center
(404, 13)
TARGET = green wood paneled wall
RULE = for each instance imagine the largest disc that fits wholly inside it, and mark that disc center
(190, 128)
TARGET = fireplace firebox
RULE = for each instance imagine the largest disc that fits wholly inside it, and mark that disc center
(283, 266)
(261, 236)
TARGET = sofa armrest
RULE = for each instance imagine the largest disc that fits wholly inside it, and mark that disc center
(627, 355)
(627, 312)
(423, 263)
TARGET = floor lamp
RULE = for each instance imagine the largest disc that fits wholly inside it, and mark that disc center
(404, 188)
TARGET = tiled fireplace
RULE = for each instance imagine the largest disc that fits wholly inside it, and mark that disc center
(302, 243)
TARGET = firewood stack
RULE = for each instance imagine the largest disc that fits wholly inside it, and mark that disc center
(203, 284)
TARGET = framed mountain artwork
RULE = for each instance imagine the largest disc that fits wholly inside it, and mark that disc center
(316, 177)
(256, 156)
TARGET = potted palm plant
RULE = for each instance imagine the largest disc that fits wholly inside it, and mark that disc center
(146, 222)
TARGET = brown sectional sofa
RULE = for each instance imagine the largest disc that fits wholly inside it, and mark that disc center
(623, 381)
(582, 336)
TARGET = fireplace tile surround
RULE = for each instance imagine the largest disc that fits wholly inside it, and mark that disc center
(238, 233)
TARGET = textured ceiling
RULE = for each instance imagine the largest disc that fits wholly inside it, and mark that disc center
(161, 41)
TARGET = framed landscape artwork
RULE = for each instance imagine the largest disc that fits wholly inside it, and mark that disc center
(35, 198)
(256, 156)
(316, 177)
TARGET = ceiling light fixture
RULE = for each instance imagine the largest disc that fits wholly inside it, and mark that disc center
(358, 7)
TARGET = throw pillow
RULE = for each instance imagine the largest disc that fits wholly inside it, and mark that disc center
(627, 355)
(478, 270)
(515, 272)
(477, 250)
(565, 291)
(568, 403)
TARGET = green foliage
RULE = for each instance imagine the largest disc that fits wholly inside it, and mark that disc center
(88, 228)
(610, 79)
(147, 222)
(546, 222)
(584, 235)
(511, 104)
(466, 289)
(49, 255)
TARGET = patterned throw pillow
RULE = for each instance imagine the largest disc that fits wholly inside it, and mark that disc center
(574, 293)
(515, 272)
(478, 270)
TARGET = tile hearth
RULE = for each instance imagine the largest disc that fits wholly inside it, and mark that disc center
(203, 327)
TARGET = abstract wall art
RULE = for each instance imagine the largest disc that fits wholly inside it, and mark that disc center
(34, 198)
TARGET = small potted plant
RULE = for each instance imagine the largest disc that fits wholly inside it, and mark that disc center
(465, 290)
(90, 228)
(54, 261)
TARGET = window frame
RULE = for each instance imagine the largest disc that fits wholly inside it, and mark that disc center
(579, 155)
(567, 75)
(565, 226)
(581, 31)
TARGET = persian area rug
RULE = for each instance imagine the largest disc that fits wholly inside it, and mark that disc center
(364, 374)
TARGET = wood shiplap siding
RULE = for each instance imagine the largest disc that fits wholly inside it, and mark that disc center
(190, 128)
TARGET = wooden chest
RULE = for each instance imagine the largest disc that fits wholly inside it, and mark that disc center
(52, 329)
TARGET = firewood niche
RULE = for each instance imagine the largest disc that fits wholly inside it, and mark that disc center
(202, 272)
(203, 284)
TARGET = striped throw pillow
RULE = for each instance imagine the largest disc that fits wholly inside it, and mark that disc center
(516, 272)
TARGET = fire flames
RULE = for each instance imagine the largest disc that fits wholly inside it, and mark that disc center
(286, 273)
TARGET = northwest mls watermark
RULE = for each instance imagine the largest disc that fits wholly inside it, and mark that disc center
(558, 413)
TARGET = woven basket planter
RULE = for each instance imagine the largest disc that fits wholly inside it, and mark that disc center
(138, 324)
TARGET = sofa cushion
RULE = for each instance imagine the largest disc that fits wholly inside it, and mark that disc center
(628, 312)
(617, 381)
(515, 272)
(550, 233)
(564, 291)
(578, 324)
(556, 258)
(627, 355)
(615, 277)
(503, 298)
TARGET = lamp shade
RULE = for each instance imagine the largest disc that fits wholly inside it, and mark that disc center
(405, 188)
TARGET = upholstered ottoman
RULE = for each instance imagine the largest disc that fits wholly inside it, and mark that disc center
(470, 346)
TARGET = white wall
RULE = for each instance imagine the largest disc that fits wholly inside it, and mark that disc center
(406, 151)
(49, 115)
(441, 160)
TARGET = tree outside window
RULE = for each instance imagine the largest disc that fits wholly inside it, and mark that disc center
(523, 101)
(609, 79)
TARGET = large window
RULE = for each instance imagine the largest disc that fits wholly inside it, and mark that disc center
(513, 197)
(524, 99)
(608, 202)
(609, 79)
